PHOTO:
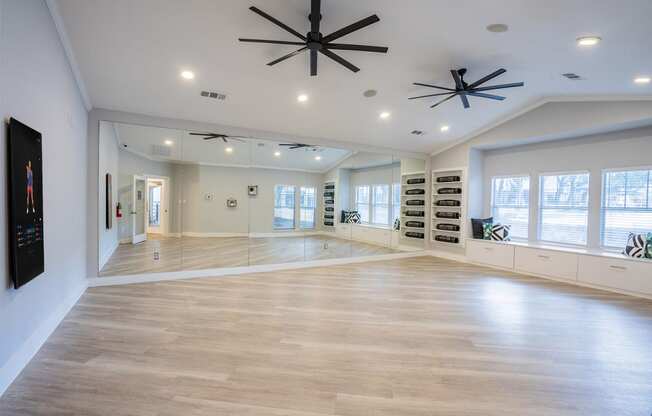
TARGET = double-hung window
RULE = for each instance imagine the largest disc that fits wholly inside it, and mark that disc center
(362, 199)
(284, 196)
(510, 197)
(564, 208)
(380, 205)
(307, 207)
(626, 205)
(396, 202)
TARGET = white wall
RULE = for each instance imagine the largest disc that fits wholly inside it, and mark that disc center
(631, 148)
(37, 87)
(108, 163)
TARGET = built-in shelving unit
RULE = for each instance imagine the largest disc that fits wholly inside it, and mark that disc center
(447, 205)
(328, 213)
(413, 206)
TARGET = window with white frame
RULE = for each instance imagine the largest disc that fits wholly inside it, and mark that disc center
(380, 205)
(510, 203)
(307, 208)
(362, 200)
(396, 202)
(284, 196)
(564, 208)
(626, 205)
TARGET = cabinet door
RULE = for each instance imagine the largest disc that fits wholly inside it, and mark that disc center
(629, 275)
(546, 263)
(491, 254)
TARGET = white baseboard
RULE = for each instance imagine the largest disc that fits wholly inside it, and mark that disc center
(19, 359)
(234, 271)
(107, 255)
(125, 240)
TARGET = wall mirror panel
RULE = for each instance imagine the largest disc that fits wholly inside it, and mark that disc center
(192, 200)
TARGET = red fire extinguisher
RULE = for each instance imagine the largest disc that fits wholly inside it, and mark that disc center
(118, 210)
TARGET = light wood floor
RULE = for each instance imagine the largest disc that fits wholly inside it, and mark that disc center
(193, 253)
(416, 337)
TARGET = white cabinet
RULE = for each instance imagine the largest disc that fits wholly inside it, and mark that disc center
(628, 275)
(343, 231)
(492, 254)
(546, 262)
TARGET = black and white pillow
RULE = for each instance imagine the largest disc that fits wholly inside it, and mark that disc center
(352, 217)
(500, 232)
(636, 245)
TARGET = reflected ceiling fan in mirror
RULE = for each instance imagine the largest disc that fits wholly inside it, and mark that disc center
(302, 146)
(225, 137)
(464, 90)
(317, 43)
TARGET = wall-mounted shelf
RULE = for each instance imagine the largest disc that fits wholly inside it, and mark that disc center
(413, 188)
(328, 211)
(447, 206)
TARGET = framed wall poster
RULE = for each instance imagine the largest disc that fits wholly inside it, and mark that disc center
(109, 202)
(25, 185)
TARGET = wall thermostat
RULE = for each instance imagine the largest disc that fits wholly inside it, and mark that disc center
(252, 190)
(231, 203)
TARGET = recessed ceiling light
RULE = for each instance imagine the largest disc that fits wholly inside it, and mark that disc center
(229, 150)
(187, 75)
(444, 129)
(588, 41)
(302, 98)
(168, 142)
(385, 115)
(317, 157)
(277, 154)
(370, 93)
(642, 80)
(498, 28)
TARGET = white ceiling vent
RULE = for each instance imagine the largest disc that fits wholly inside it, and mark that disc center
(158, 150)
(214, 95)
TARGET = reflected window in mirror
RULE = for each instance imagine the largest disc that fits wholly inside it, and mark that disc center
(284, 207)
(307, 205)
(362, 203)
(396, 202)
(380, 205)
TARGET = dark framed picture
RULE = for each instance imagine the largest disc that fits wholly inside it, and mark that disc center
(25, 183)
(109, 202)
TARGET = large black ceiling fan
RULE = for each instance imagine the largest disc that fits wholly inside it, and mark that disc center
(315, 42)
(464, 90)
(225, 137)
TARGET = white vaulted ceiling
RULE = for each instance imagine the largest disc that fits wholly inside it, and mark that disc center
(130, 54)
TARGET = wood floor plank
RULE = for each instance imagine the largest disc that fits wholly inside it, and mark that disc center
(416, 337)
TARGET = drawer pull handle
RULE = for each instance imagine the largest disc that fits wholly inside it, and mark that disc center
(541, 256)
(618, 267)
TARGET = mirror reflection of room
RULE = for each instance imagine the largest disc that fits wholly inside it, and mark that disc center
(188, 200)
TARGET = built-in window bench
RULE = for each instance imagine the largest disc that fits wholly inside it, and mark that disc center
(594, 268)
(368, 233)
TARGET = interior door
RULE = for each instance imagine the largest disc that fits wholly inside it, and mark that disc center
(139, 210)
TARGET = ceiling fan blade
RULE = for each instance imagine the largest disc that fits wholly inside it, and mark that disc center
(339, 60)
(430, 95)
(277, 22)
(200, 134)
(364, 48)
(458, 80)
(315, 15)
(313, 62)
(498, 87)
(490, 96)
(224, 139)
(487, 78)
(351, 28)
(288, 56)
(443, 101)
(465, 101)
(433, 86)
(276, 42)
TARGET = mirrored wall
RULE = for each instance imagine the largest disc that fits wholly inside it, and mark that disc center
(173, 200)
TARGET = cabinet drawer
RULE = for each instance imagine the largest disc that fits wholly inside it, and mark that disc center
(628, 275)
(492, 254)
(546, 263)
